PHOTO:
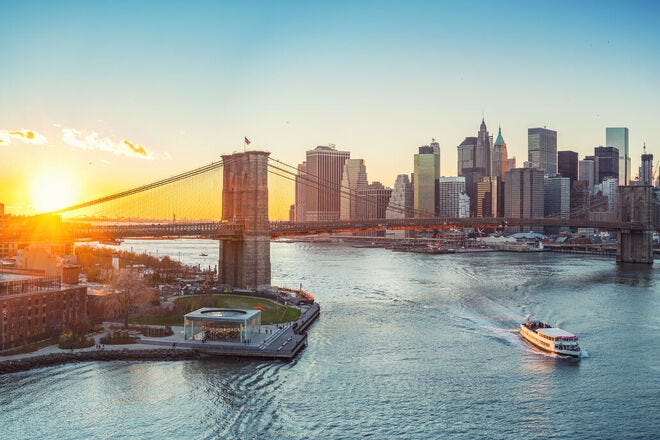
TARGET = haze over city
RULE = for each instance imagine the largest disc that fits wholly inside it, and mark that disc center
(118, 94)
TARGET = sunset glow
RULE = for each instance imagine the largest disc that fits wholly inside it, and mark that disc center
(52, 189)
(177, 91)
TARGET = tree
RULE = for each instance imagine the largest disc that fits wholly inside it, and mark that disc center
(133, 293)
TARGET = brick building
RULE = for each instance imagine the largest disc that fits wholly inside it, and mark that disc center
(36, 307)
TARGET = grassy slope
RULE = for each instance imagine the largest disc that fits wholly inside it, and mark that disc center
(273, 313)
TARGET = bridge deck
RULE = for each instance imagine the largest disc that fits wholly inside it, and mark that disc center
(278, 228)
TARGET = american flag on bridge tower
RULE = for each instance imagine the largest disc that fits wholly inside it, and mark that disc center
(247, 141)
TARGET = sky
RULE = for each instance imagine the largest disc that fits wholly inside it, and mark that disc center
(103, 96)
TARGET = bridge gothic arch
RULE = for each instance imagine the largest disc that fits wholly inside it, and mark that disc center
(635, 245)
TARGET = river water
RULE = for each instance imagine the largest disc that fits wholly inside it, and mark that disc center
(408, 346)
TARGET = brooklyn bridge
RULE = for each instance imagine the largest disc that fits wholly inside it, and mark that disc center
(243, 227)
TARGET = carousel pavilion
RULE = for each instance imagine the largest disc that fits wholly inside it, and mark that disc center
(222, 325)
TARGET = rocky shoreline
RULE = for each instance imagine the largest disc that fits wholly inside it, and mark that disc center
(47, 360)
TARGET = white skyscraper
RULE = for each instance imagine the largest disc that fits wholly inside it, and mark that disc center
(449, 192)
(354, 184)
(463, 206)
(610, 188)
(401, 200)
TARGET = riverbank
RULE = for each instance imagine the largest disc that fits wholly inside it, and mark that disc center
(285, 342)
(47, 360)
(429, 246)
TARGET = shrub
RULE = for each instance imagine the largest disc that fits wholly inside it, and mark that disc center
(118, 338)
(69, 340)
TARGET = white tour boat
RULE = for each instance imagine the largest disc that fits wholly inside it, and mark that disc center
(551, 339)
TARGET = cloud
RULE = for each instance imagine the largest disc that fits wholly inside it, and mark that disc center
(137, 149)
(92, 141)
(24, 135)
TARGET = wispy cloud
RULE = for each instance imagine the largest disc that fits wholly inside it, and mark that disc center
(93, 141)
(24, 135)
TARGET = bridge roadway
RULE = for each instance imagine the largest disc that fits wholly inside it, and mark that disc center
(290, 228)
(139, 230)
(229, 230)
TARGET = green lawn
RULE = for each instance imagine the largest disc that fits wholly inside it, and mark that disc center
(274, 313)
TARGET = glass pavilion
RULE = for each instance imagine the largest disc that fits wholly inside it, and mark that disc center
(225, 325)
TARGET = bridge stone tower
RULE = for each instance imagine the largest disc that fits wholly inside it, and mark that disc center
(635, 245)
(245, 262)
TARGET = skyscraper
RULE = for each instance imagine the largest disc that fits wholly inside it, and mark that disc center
(610, 189)
(377, 198)
(490, 197)
(466, 154)
(524, 193)
(557, 197)
(300, 209)
(427, 172)
(474, 162)
(587, 173)
(482, 150)
(646, 169)
(542, 149)
(463, 206)
(354, 183)
(449, 191)
(499, 159)
(435, 146)
(567, 164)
(608, 162)
(617, 137)
(596, 160)
(401, 200)
(324, 172)
(472, 177)
(511, 164)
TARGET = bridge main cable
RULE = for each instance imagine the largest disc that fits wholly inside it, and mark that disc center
(201, 170)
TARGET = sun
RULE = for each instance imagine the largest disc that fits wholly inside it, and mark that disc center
(52, 189)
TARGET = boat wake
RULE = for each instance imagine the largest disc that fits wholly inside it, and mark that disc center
(500, 330)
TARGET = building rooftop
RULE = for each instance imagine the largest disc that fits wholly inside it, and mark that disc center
(469, 141)
(12, 274)
(499, 140)
(528, 236)
(216, 314)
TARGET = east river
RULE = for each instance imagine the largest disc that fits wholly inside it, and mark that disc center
(408, 346)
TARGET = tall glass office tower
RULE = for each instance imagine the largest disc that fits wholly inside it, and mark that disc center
(542, 149)
(425, 184)
(617, 137)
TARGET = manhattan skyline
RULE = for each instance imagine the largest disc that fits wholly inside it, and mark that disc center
(102, 87)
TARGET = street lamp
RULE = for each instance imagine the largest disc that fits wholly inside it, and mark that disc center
(4, 316)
